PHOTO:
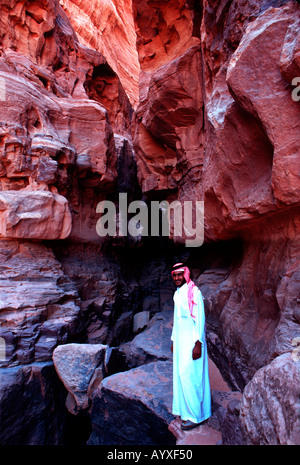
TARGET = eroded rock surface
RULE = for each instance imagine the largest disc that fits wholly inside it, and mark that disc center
(108, 27)
(39, 304)
(134, 407)
(152, 344)
(270, 403)
(34, 215)
(35, 391)
(76, 365)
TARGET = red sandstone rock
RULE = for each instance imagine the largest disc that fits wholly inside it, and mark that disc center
(248, 165)
(290, 55)
(153, 343)
(36, 391)
(255, 80)
(165, 31)
(108, 27)
(134, 407)
(167, 139)
(29, 214)
(38, 302)
(60, 103)
(39, 124)
(269, 406)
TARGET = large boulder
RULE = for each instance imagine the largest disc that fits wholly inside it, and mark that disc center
(152, 344)
(270, 403)
(75, 365)
(134, 407)
(34, 214)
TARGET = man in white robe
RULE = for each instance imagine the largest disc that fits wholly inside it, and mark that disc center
(191, 388)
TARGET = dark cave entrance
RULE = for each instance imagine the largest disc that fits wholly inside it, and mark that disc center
(135, 278)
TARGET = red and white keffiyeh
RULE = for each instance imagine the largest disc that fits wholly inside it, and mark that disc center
(190, 285)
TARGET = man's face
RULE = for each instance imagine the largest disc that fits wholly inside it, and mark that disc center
(178, 278)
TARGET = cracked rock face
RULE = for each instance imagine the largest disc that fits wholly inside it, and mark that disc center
(38, 303)
(144, 391)
(270, 404)
(75, 365)
(36, 214)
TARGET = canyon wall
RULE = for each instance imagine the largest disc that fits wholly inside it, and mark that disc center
(108, 27)
(167, 101)
(208, 127)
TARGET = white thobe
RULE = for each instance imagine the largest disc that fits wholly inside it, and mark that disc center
(191, 388)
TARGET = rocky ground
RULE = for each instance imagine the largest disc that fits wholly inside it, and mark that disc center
(134, 406)
(209, 433)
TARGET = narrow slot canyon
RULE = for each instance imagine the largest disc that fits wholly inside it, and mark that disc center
(126, 110)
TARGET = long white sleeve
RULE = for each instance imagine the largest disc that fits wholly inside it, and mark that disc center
(199, 323)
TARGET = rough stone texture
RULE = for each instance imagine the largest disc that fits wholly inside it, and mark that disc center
(258, 294)
(230, 423)
(39, 304)
(270, 404)
(152, 344)
(239, 155)
(164, 31)
(134, 407)
(31, 406)
(75, 365)
(235, 187)
(247, 170)
(34, 215)
(224, 422)
(289, 59)
(60, 105)
(140, 321)
(168, 140)
(248, 78)
(39, 126)
(203, 435)
(108, 27)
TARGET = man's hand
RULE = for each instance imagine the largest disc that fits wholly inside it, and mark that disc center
(197, 350)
